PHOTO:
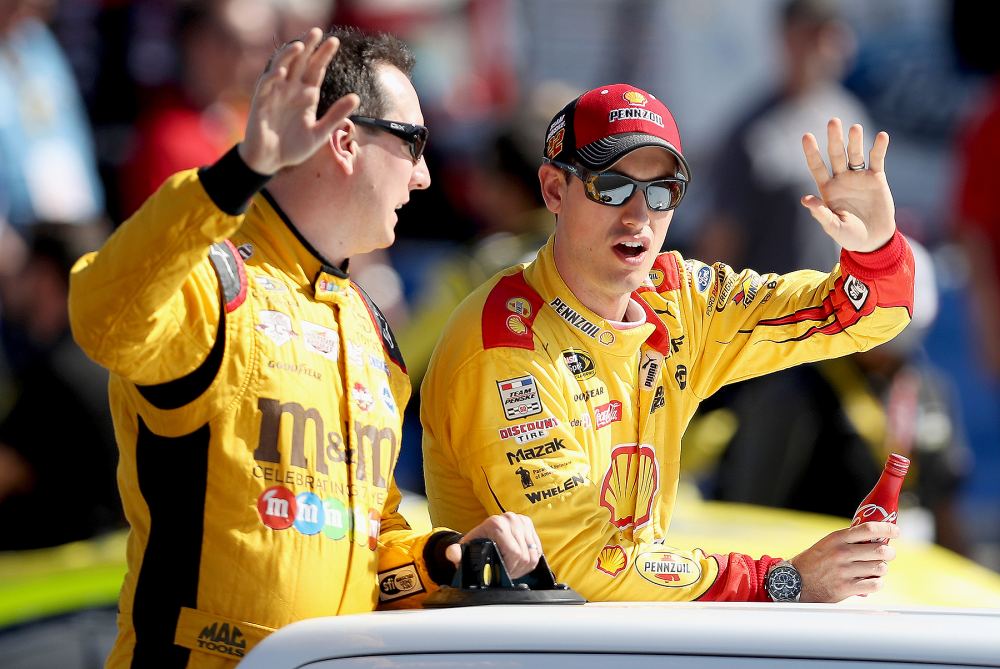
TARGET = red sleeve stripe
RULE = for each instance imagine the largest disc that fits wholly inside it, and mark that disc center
(509, 313)
(740, 579)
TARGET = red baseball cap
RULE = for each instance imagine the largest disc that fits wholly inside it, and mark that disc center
(598, 128)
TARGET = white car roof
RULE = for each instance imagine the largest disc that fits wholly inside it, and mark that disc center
(968, 637)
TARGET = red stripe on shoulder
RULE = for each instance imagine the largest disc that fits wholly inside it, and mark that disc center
(665, 274)
(509, 311)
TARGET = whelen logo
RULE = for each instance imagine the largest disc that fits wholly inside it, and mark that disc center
(607, 414)
(223, 638)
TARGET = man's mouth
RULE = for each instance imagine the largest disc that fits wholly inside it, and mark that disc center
(630, 249)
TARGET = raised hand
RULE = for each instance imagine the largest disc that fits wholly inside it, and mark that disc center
(513, 534)
(855, 205)
(282, 129)
(845, 563)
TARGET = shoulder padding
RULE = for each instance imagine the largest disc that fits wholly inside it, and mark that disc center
(509, 312)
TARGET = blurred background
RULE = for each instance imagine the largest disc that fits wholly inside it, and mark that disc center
(100, 101)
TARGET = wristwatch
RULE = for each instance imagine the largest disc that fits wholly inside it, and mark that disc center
(783, 582)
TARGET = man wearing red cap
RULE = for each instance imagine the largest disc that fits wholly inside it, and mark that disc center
(561, 388)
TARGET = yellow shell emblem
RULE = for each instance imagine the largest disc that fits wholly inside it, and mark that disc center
(635, 98)
(516, 325)
(612, 560)
(630, 485)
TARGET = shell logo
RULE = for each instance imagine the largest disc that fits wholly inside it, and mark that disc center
(516, 325)
(635, 98)
(630, 485)
(519, 306)
(667, 569)
(612, 560)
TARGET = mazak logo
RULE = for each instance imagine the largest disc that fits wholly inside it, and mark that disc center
(533, 452)
(223, 638)
(607, 413)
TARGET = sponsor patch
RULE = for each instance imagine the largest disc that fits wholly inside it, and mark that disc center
(362, 397)
(704, 278)
(534, 452)
(748, 290)
(575, 319)
(658, 400)
(388, 400)
(606, 414)
(276, 325)
(656, 277)
(309, 516)
(516, 325)
(857, 292)
(635, 98)
(548, 493)
(321, 340)
(579, 363)
(529, 430)
(612, 560)
(379, 363)
(681, 376)
(398, 583)
(634, 114)
(649, 370)
(277, 507)
(519, 306)
(589, 394)
(519, 397)
(607, 338)
(630, 485)
(270, 285)
(667, 569)
(583, 421)
(525, 475)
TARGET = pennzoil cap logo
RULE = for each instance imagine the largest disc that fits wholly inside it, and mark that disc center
(630, 485)
(667, 569)
(635, 98)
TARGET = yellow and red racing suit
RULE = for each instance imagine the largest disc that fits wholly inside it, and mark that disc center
(257, 396)
(536, 405)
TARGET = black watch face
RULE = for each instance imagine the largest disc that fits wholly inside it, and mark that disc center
(784, 583)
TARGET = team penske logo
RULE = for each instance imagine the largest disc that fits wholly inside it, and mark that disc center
(612, 560)
(630, 485)
(667, 569)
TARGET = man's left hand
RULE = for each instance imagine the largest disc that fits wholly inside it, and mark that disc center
(855, 205)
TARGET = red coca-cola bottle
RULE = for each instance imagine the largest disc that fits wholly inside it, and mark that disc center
(882, 503)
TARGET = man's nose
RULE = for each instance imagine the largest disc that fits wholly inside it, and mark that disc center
(635, 211)
(420, 178)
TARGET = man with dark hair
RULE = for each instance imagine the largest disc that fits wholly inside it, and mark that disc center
(256, 390)
(585, 366)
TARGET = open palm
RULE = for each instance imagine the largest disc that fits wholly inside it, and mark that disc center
(855, 205)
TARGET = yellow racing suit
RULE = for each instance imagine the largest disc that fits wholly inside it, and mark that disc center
(536, 405)
(257, 396)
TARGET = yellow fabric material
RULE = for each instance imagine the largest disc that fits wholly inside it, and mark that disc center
(307, 401)
(600, 479)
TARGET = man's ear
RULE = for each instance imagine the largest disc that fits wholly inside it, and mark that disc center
(554, 184)
(344, 146)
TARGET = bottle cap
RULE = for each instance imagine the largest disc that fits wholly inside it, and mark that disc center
(897, 464)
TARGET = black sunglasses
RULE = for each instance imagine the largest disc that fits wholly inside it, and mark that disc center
(414, 135)
(614, 189)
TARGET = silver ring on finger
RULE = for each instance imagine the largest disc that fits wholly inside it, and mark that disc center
(856, 168)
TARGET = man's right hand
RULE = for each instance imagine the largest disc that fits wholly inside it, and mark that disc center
(845, 563)
(282, 129)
